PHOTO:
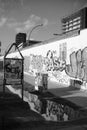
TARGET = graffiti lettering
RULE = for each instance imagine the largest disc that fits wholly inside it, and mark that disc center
(53, 62)
(78, 65)
(26, 63)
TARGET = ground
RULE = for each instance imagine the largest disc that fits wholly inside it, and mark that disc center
(16, 114)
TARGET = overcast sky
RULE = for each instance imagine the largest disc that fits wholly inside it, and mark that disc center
(22, 15)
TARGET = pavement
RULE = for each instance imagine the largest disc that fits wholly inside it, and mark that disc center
(72, 94)
(16, 114)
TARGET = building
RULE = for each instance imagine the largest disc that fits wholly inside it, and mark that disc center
(20, 38)
(22, 42)
(76, 21)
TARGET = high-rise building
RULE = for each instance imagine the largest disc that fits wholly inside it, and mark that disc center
(76, 21)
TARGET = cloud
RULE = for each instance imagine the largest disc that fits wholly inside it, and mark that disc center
(34, 18)
(2, 10)
(24, 26)
(79, 4)
(12, 23)
(22, 2)
(2, 21)
(8, 5)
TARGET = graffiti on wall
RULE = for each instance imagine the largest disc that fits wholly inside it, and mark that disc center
(51, 62)
(36, 62)
(13, 71)
(78, 65)
(33, 62)
(63, 51)
(53, 111)
(26, 63)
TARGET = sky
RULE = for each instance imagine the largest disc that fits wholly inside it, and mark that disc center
(22, 15)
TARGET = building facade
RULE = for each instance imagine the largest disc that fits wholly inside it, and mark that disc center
(76, 21)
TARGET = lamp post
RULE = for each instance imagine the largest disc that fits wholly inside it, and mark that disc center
(56, 34)
(32, 30)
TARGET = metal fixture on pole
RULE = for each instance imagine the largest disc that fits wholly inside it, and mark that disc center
(32, 31)
(56, 34)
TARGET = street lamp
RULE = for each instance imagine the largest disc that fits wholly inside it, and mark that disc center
(32, 30)
(56, 34)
